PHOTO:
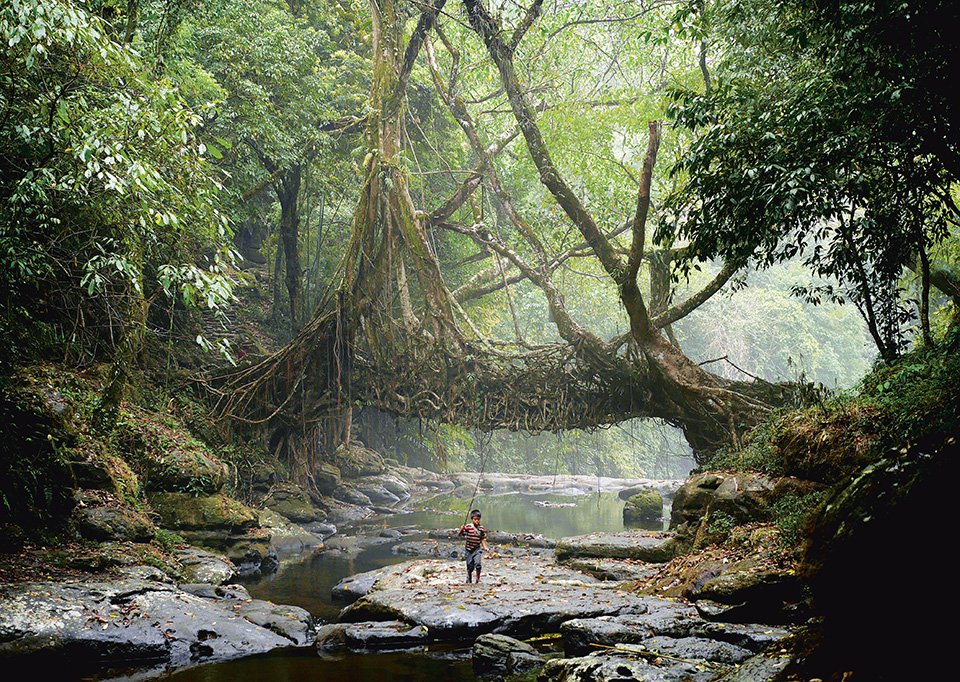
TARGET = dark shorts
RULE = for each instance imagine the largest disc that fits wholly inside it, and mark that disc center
(473, 559)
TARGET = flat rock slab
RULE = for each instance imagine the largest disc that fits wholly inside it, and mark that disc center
(370, 635)
(142, 622)
(614, 569)
(520, 597)
(665, 625)
(650, 546)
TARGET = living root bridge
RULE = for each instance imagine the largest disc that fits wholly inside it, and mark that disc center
(477, 384)
(340, 359)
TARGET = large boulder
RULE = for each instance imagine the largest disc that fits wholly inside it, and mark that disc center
(642, 507)
(503, 655)
(291, 501)
(199, 566)
(326, 477)
(102, 518)
(180, 511)
(355, 461)
(742, 496)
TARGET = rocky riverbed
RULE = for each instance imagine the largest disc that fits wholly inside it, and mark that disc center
(576, 590)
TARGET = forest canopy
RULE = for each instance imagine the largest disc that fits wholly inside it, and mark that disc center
(655, 210)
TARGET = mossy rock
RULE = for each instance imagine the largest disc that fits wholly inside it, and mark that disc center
(182, 512)
(356, 460)
(290, 500)
(327, 478)
(166, 456)
(646, 505)
(113, 522)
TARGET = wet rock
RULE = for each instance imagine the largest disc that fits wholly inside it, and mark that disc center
(353, 587)
(646, 505)
(647, 546)
(133, 621)
(205, 567)
(323, 529)
(392, 483)
(502, 655)
(340, 512)
(370, 635)
(290, 622)
(609, 666)
(614, 569)
(391, 533)
(286, 537)
(112, 522)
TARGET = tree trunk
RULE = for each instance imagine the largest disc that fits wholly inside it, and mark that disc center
(288, 192)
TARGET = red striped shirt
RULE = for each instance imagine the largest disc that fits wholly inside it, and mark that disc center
(474, 534)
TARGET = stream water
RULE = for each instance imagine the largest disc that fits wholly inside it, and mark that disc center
(307, 581)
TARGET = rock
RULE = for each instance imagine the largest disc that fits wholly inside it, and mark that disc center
(743, 496)
(112, 522)
(430, 548)
(326, 478)
(698, 649)
(179, 511)
(614, 569)
(502, 655)
(148, 573)
(290, 500)
(349, 493)
(183, 467)
(353, 587)
(290, 622)
(756, 638)
(646, 505)
(765, 596)
(287, 537)
(392, 483)
(643, 545)
(370, 635)
(205, 567)
(431, 593)
(356, 460)
(652, 617)
(94, 625)
(376, 493)
(610, 666)
(761, 668)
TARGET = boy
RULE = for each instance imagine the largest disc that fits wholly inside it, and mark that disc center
(476, 543)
